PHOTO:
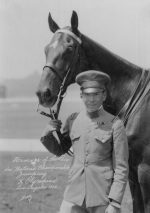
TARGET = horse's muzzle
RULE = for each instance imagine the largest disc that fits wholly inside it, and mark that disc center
(45, 98)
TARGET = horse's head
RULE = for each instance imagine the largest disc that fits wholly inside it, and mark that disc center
(61, 60)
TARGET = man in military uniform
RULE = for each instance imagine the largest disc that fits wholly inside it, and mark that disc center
(99, 170)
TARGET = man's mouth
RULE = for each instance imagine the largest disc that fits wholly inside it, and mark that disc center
(91, 105)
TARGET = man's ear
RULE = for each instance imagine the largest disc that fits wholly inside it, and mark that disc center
(104, 95)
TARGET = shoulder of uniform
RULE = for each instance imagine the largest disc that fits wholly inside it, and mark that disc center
(73, 115)
(114, 119)
(117, 122)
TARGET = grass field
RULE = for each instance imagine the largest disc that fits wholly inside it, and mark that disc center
(19, 120)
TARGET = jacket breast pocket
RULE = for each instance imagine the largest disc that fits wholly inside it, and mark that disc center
(103, 137)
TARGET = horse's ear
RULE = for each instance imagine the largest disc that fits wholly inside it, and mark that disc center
(74, 22)
(52, 24)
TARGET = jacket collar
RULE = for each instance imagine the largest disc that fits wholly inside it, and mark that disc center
(96, 113)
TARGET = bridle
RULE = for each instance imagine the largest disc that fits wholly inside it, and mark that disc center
(54, 113)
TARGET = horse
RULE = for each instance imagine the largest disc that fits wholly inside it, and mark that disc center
(69, 53)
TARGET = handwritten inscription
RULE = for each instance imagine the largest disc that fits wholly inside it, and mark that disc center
(35, 174)
(26, 198)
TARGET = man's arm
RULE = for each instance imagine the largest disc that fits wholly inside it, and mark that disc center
(56, 146)
(120, 158)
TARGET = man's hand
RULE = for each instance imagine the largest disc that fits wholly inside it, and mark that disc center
(112, 209)
(53, 125)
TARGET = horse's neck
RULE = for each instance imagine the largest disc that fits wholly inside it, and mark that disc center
(124, 75)
(101, 58)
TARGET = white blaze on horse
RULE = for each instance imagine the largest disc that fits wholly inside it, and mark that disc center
(70, 53)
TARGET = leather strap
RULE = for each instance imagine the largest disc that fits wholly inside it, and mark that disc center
(54, 69)
(69, 33)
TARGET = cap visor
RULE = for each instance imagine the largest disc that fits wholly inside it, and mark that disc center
(92, 90)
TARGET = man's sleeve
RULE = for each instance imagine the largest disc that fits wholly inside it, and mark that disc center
(120, 161)
(58, 146)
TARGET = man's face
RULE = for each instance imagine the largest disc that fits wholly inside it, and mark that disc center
(93, 100)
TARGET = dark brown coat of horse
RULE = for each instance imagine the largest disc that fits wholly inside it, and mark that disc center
(128, 96)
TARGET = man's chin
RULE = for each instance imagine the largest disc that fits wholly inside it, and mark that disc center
(92, 109)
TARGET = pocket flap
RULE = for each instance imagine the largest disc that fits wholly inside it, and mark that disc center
(109, 174)
(103, 138)
(74, 135)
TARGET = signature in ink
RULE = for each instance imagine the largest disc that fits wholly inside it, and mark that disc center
(26, 197)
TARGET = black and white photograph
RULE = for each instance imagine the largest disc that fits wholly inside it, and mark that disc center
(75, 106)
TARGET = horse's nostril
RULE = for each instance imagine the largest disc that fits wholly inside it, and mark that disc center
(47, 95)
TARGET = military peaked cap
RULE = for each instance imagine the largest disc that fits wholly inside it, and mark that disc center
(93, 79)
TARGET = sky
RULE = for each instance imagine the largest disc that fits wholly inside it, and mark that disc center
(122, 26)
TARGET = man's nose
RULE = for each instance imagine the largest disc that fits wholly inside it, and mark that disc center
(91, 97)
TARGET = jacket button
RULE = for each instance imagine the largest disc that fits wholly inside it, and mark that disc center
(103, 140)
(86, 164)
(86, 153)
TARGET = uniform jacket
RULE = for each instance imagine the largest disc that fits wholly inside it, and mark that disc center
(99, 169)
